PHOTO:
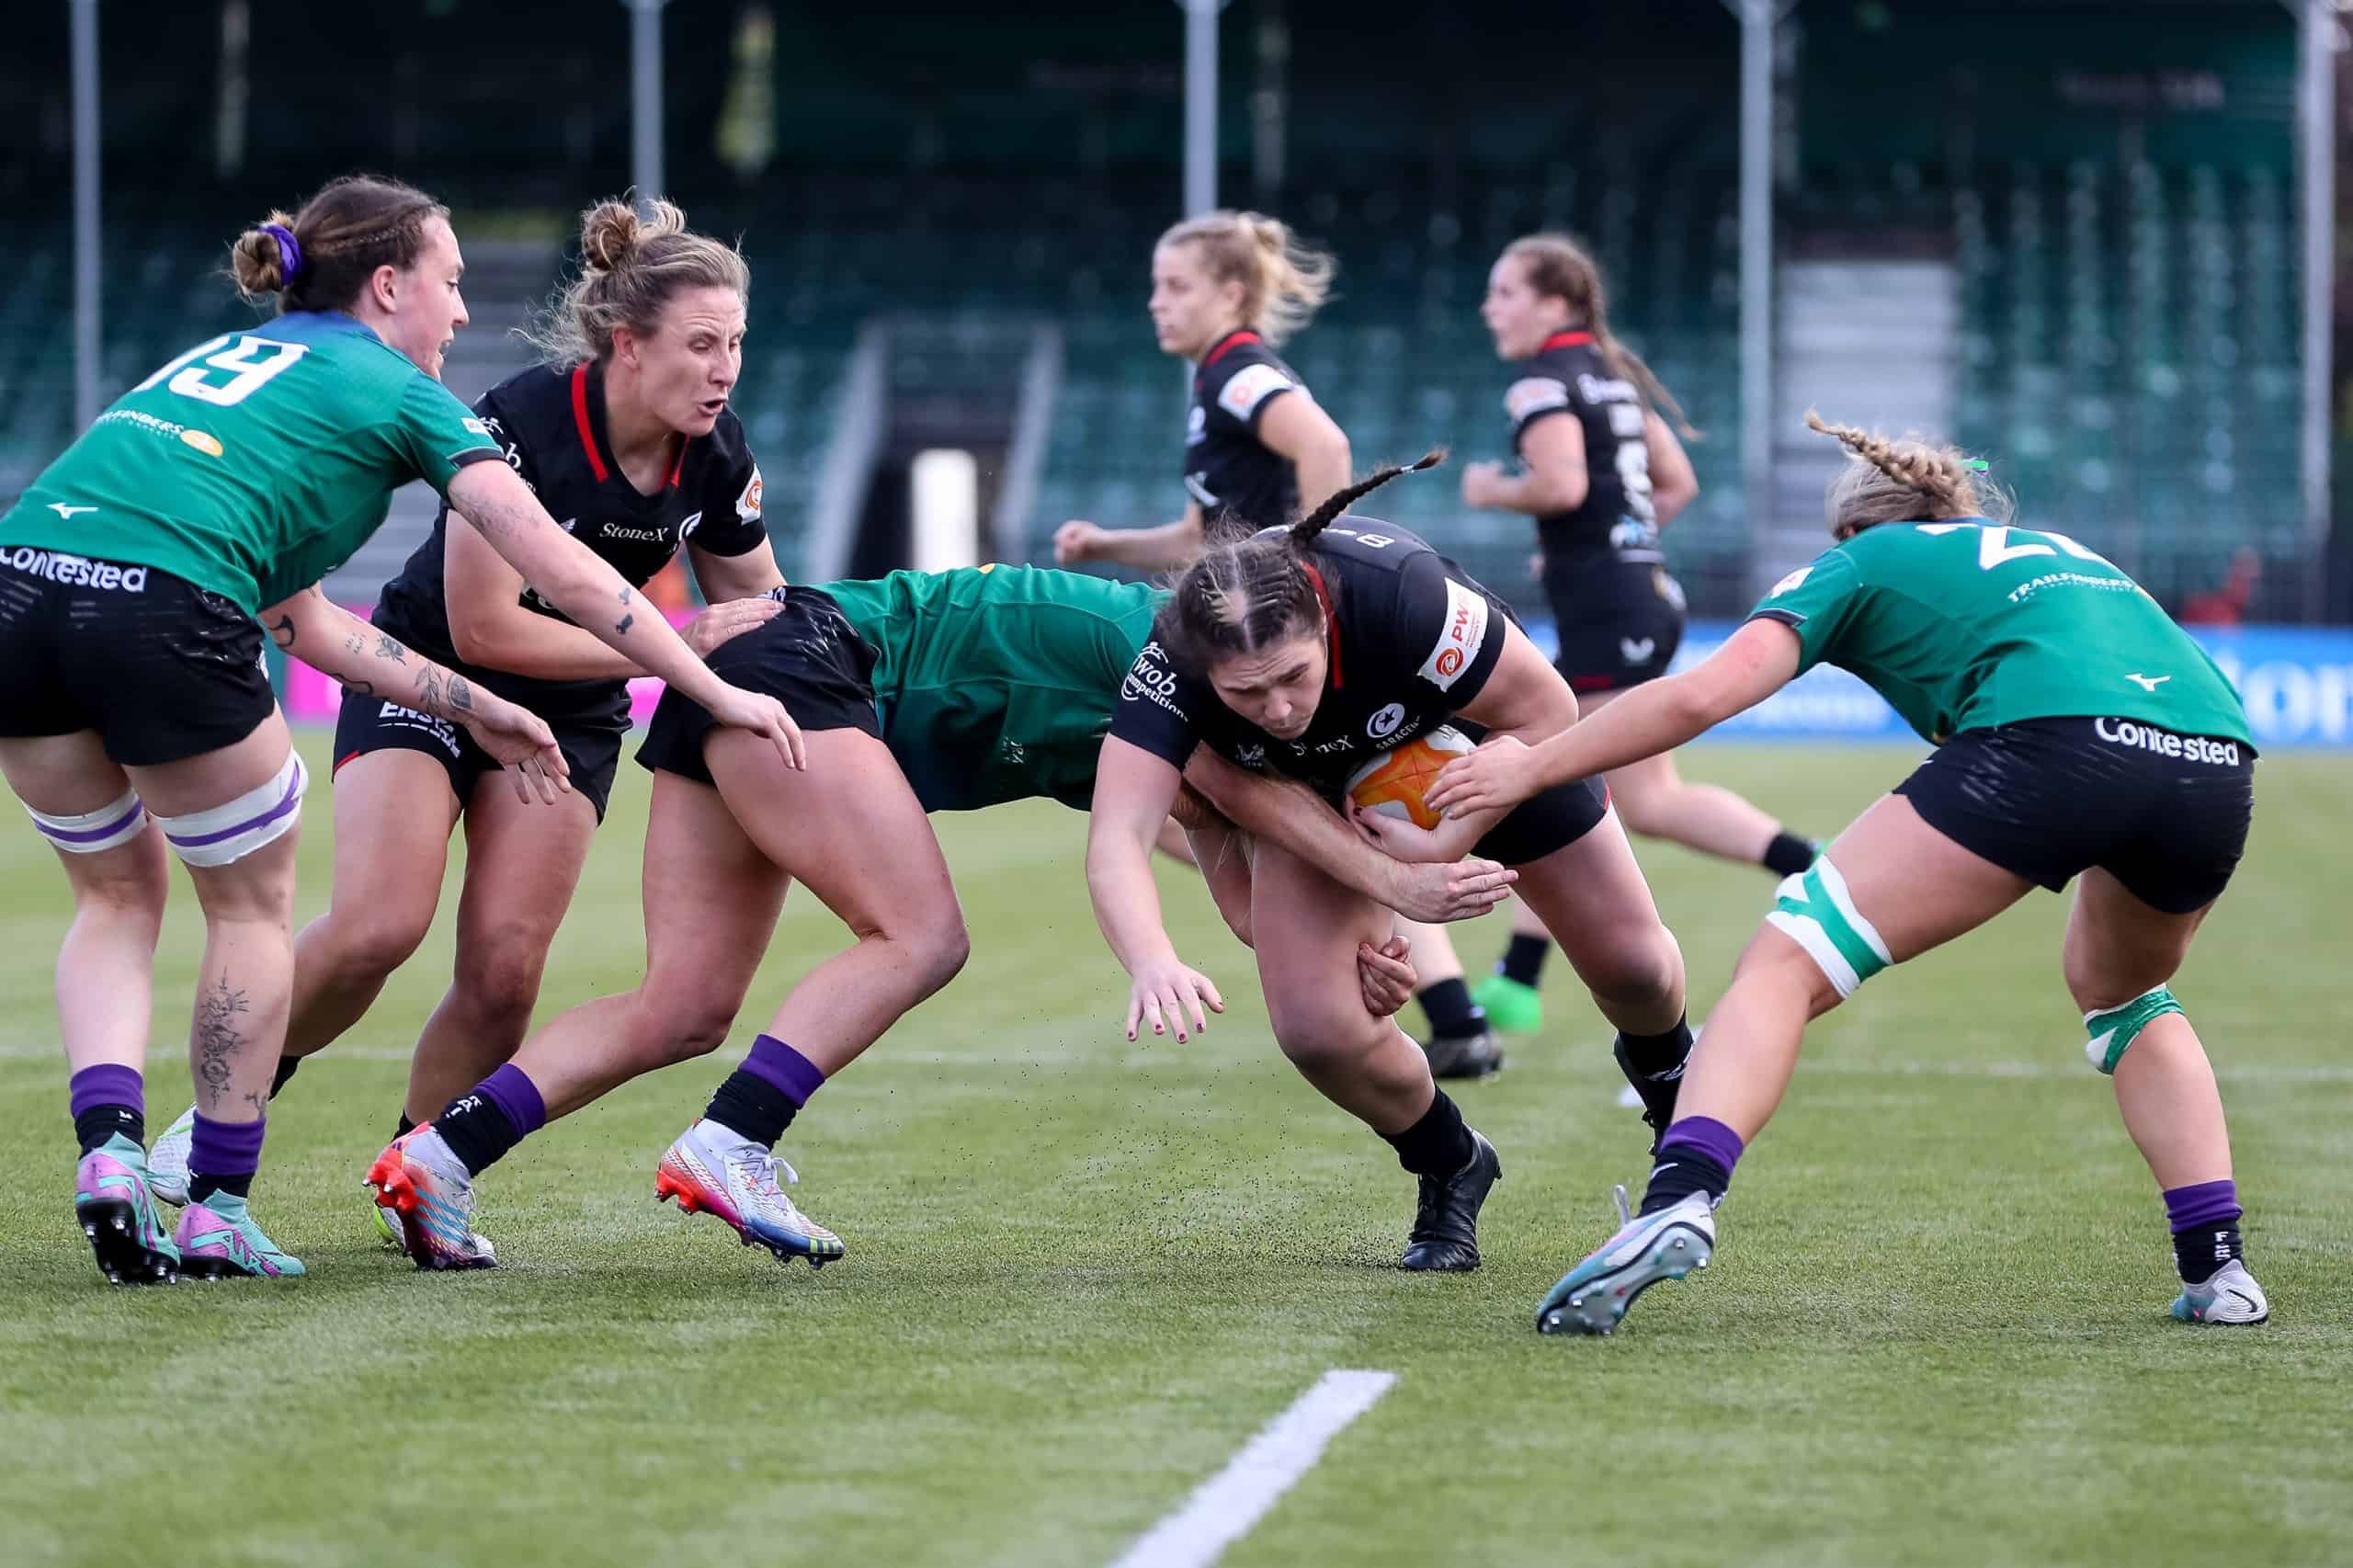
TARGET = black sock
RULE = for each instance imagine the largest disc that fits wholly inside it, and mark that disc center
(200, 1187)
(477, 1131)
(1654, 1064)
(1524, 960)
(2200, 1250)
(286, 1069)
(100, 1122)
(1447, 1005)
(1680, 1171)
(1787, 854)
(1437, 1146)
(752, 1105)
(404, 1127)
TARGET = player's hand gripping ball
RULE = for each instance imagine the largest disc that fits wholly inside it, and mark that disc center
(1392, 782)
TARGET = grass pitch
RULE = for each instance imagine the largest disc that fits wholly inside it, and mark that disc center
(1082, 1273)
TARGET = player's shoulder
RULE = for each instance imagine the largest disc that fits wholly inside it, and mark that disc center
(729, 442)
(1368, 549)
(1240, 373)
(531, 400)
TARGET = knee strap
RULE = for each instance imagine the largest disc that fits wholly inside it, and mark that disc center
(2114, 1030)
(93, 831)
(1817, 912)
(229, 832)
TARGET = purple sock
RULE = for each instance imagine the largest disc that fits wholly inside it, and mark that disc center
(2204, 1204)
(784, 1069)
(109, 1083)
(517, 1098)
(225, 1148)
(1707, 1135)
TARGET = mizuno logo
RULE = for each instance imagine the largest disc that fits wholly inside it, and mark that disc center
(2148, 683)
(63, 510)
(1637, 651)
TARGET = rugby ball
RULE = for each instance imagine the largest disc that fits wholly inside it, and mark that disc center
(1392, 782)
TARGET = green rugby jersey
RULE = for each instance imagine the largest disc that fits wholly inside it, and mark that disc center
(255, 465)
(996, 683)
(1960, 625)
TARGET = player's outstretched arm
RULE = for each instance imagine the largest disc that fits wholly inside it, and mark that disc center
(577, 581)
(334, 641)
(1755, 661)
(1133, 790)
(1164, 549)
(1290, 815)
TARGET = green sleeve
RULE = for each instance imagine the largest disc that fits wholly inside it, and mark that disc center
(1816, 601)
(437, 434)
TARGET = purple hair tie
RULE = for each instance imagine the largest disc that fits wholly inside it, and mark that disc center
(290, 253)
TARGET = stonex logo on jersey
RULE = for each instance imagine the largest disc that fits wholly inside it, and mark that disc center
(1459, 641)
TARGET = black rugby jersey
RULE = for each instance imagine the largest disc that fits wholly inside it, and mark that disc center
(1410, 639)
(1227, 468)
(1569, 376)
(550, 425)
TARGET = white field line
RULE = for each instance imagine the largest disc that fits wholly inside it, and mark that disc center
(1222, 1508)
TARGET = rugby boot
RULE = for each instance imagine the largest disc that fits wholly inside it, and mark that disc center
(1592, 1296)
(1511, 1006)
(218, 1240)
(115, 1205)
(713, 1170)
(432, 1198)
(1446, 1214)
(1464, 1056)
(2229, 1298)
(168, 1161)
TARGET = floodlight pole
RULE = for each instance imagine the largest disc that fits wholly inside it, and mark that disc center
(2316, 147)
(87, 349)
(645, 98)
(1757, 21)
(1200, 105)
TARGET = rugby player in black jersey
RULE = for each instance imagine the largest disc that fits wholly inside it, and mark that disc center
(1227, 290)
(1227, 287)
(1600, 482)
(626, 438)
(1305, 651)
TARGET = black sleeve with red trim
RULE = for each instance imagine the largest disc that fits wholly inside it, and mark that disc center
(1152, 708)
(731, 523)
(1451, 632)
(1238, 389)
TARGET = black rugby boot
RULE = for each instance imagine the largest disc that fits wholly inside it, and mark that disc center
(1464, 1056)
(1446, 1217)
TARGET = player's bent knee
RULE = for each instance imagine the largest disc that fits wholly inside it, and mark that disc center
(2113, 1030)
(941, 946)
(1816, 912)
(694, 1033)
(227, 834)
(91, 832)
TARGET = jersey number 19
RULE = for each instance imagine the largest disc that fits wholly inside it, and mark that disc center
(250, 361)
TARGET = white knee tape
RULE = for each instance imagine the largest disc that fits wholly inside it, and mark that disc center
(229, 832)
(93, 831)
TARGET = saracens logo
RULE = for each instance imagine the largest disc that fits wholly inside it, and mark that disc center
(1383, 724)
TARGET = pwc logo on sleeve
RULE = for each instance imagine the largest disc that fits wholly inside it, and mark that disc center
(1459, 641)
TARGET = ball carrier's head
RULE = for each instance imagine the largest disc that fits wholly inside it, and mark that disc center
(1249, 615)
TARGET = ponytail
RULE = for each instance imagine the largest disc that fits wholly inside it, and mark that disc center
(1557, 265)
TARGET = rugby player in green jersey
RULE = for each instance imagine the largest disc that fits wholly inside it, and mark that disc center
(137, 576)
(921, 692)
(2081, 735)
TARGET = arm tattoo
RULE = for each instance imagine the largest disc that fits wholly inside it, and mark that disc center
(387, 648)
(283, 632)
(356, 642)
(217, 1038)
(429, 685)
(462, 696)
(620, 627)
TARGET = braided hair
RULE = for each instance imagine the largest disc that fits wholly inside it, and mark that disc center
(1252, 594)
(1903, 479)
